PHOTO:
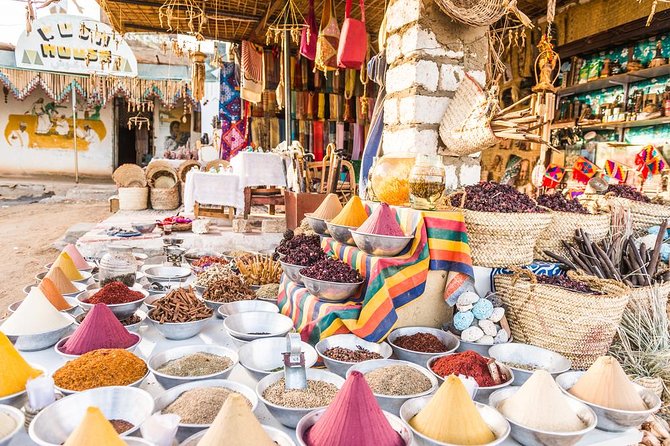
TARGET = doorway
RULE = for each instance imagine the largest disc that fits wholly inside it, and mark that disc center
(132, 144)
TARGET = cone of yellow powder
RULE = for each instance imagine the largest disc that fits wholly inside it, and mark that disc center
(63, 284)
(236, 425)
(352, 215)
(94, 429)
(65, 263)
(15, 370)
(329, 208)
(54, 296)
(451, 417)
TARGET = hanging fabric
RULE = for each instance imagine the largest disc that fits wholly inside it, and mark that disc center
(318, 140)
(309, 34)
(328, 40)
(252, 72)
(233, 127)
(353, 40)
(311, 105)
(349, 85)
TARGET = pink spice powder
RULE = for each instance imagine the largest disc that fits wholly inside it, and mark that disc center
(382, 222)
(99, 329)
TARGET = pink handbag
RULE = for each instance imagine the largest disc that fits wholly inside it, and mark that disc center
(309, 34)
(353, 40)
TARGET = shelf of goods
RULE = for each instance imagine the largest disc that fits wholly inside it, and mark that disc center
(617, 79)
(612, 125)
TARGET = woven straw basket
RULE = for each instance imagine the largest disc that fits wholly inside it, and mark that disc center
(133, 198)
(185, 167)
(164, 199)
(563, 226)
(654, 384)
(641, 296)
(644, 215)
(579, 326)
(129, 175)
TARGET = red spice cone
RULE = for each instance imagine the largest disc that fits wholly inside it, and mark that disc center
(99, 329)
(353, 418)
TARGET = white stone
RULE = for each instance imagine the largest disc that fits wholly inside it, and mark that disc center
(391, 111)
(498, 314)
(479, 76)
(423, 73)
(472, 334)
(422, 109)
(402, 12)
(488, 327)
(502, 337)
(393, 44)
(450, 77)
(464, 307)
(485, 340)
(418, 40)
(468, 297)
(409, 140)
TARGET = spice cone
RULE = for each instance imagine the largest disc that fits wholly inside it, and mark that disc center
(353, 418)
(35, 315)
(382, 222)
(329, 208)
(55, 297)
(94, 429)
(236, 425)
(79, 261)
(65, 263)
(63, 284)
(15, 370)
(451, 417)
(353, 214)
(99, 329)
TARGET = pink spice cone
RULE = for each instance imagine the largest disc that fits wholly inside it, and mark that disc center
(382, 222)
(99, 329)
(353, 418)
(79, 260)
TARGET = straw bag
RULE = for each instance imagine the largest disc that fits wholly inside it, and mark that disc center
(654, 384)
(185, 167)
(640, 296)
(354, 39)
(577, 325)
(644, 215)
(563, 226)
(165, 199)
(133, 198)
(481, 12)
(328, 40)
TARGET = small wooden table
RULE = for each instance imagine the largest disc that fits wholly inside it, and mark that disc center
(271, 196)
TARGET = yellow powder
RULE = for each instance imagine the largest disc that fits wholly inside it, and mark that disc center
(64, 262)
(236, 425)
(63, 284)
(94, 429)
(353, 214)
(451, 417)
(606, 384)
(15, 370)
(55, 297)
(329, 208)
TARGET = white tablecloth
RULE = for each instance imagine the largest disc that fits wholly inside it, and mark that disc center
(259, 169)
(221, 189)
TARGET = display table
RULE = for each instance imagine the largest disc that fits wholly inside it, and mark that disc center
(259, 169)
(219, 189)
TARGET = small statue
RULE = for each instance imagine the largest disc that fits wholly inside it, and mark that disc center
(658, 59)
(545, 64)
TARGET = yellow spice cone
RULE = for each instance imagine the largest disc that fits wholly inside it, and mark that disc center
(63, 284)
(65, 263)
(451, 417)
(353, 214)
(94, 429)
(15, 370)
(236, 425)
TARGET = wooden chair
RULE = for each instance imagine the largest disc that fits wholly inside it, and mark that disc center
(216, 164)
(270, 196)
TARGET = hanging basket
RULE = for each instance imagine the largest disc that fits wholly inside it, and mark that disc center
(165, 199)
(133, 198)
(129, 175)
(563, 226)
(644, 215)
(185, 167)
(480, 12)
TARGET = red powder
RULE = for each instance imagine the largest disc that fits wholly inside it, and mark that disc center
(99, 329)
(353, 418)
(468, 363)
(382, 222)
(114, 293)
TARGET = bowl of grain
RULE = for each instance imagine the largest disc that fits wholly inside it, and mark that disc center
(180, 365)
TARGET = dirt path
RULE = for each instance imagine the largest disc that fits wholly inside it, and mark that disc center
(27, 232)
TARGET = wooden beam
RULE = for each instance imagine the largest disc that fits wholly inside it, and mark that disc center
(208, 10)
(258, 32)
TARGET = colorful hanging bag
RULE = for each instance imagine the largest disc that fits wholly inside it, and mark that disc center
(649, 161)
(583, 170)
(354, 39)
(309, 34)
(553, 176)
(328, 39)
(616, 171)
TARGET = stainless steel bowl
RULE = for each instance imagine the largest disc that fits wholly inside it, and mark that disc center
(56, 422)
(392, 403)
(349, 341)
(178, 331)
(81, 287)
(318, 225)
(133, 328)
(167, 381)
(331, 291)
(292, 271)
(493, 419)
(380, 245)
(150, 299)
(133, 384)
(17, 399)
(27, 288)
(311, 418)
(279, 437)
(613, 420)
(121, 311)
(213, 305)
(59, 346)
(245, 306)
(244, 325)
(262, 357)
(239, 343)
(18, 418)
(420, 358)
(482, 349)
(534, 437)
(185, 430)
(164, 273)
(515, 353)
(135, 441)
(40, 276)
(290, 416)
(74, 305)
(40, 341)
(483, 392)
(341, 233)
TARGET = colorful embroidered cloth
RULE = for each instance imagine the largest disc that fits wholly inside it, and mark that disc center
(440, 243)
(233, 127)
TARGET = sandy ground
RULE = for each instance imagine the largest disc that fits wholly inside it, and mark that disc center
(27, 232)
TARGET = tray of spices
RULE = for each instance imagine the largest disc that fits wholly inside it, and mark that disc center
(180, 365)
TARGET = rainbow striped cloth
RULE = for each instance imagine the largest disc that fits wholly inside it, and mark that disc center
(440, 243)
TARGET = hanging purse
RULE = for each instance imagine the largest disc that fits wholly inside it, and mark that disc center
(309, 34)
(328, 39)
(353, 40)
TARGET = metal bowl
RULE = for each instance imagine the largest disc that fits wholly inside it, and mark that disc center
(331, 291)
(515, 353)
(380, 245)
(482, 349)
(290, 416)
(349, 341)
(40, 341)
(74, 305)
(81, 287)
(244, 325)
(167, 381)
(262, 357)
(482, 392)
(311, 418)
(341, 233)
(85, 277)
(17, 399)
(613, 420)
(178, 331)
(169, 396)
(493, 419)
(133, 328)
(534, 437)
(121, 311)
(292, 271)
(144, 228)
(18, 418)
(150, 299)
(135, 441)
(420, 358)
(245, 306)
(238, 342)
(167, 273)
(27, 288)
(392, 403)
(56, 422)
(318, 225)
(133, 384)
(59, 346)
(279, 437)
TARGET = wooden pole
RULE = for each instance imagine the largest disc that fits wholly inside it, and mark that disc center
(287, 88)
(74, 132)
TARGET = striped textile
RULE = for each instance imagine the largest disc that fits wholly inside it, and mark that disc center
(440, 243)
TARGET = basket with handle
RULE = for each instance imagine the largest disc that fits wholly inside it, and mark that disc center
(644, 215)
(563, 226)
(580, 326)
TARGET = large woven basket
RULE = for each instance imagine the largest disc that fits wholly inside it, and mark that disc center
(165, 199)
(579, 326)
(654, 384)
(129, 175)
(185, 167)
(644, 215)
(563, 226)
(133, 198)
(640, 297)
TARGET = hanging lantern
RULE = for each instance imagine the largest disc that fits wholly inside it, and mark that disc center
(198, 75)
(289, 19)
(182, 17)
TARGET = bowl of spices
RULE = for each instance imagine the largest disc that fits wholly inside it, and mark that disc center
(11, 422)
(524, 359)
(180, 314)
(132, 323)
(340, 352)
(228, 289)
(490, 374)
(299, 257)
(332, 280)
(180, 365)
(100, 368)
(125, 407)
(393, 382)
(264, 356)
(257, 324)
(289, 406)
(123, 301)
(279, 437)
(245, 306)
(419, 344)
